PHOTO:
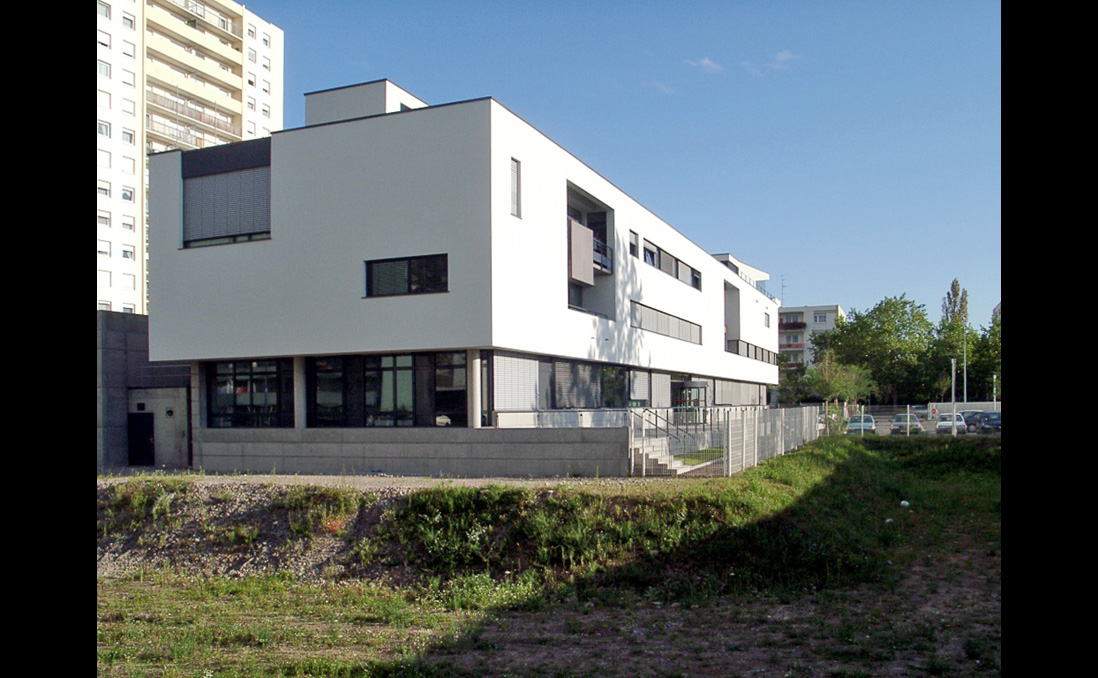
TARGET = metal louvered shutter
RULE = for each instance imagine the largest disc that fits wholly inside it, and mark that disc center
(227, 204)
(661, 390)
(515, 383)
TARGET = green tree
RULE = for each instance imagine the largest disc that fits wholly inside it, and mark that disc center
(792, 386)
(955, 304)
(833, 380)
(986, 363)
(837, 383)
(953, 338)
(891, 340)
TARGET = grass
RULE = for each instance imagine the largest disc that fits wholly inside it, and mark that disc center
(699, 456)
(802, 522)
(312, 511)
(136, 504)
(644, 562)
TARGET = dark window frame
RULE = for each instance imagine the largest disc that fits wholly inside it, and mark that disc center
(240, 377)
(426, 274)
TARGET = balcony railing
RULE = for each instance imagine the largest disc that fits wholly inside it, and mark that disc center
(193, 113)
(181, 137)
(214, 18)
(792, 325)
(603, 256)
(749, 350)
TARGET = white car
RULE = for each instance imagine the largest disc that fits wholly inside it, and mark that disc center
(946, 422)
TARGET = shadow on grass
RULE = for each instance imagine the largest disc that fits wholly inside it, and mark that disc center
(824, 518)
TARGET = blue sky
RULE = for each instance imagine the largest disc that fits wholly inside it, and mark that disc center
(853, 150)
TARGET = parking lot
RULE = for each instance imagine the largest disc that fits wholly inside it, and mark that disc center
(891, 421)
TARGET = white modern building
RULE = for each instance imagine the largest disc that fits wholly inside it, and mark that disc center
(799, 324)
(402, 276)
(171, 74)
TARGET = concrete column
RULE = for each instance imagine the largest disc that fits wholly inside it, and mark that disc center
(197, 412)
(299, 392)
(472, 387)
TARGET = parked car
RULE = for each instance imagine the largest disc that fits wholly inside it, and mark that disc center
(905, 424)
(947, 421)
(920, 411)
(972, 419)
(991, 422)
(861, 424)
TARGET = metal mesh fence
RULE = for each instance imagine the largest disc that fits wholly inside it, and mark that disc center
(715, 441)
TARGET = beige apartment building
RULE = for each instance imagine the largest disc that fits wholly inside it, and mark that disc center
(170, 74)
(797, 326)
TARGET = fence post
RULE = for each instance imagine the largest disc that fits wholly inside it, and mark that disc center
(781, 436)
(756, 437)
(632, 445)
(728, 442)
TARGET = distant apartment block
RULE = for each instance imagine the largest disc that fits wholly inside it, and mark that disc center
(798, 324)
(171, 74)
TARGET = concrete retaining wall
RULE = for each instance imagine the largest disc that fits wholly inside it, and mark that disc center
(444, 451)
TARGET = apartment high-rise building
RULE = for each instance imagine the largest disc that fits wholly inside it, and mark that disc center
(171, 74)
(798, 325)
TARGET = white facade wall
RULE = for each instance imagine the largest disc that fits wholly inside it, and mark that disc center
(437, 180)
(530, 272)
(332, 209)
(358, 101)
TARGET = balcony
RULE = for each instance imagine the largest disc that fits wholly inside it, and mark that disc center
(193, 113)
(603, 257)
(181, 137)
(211, 17)
(590, 255)
(794, 325)
(748, 350)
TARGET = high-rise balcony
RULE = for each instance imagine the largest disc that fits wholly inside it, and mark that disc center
(192, 112)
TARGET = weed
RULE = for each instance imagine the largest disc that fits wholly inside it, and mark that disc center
(313, 511)
(135, 504)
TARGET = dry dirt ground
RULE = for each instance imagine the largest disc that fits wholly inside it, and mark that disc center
(940, 617)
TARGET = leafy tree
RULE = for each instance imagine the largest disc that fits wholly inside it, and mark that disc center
(835, 381)
(955, 304)
(953, 338)
(792, 386)
(986, 363)
(892, 341)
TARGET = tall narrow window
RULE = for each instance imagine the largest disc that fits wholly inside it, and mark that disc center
(389, 390)
(328, 399)
(516, 188)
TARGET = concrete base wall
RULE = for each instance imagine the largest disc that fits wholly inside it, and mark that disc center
(121, 365)
(428, 452)
(169, 409)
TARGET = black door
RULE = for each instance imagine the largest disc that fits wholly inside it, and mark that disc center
(142, 451)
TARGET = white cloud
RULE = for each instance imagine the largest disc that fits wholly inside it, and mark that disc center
(661, 87)
(706, 64)
(781, 61)
(783, 58)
